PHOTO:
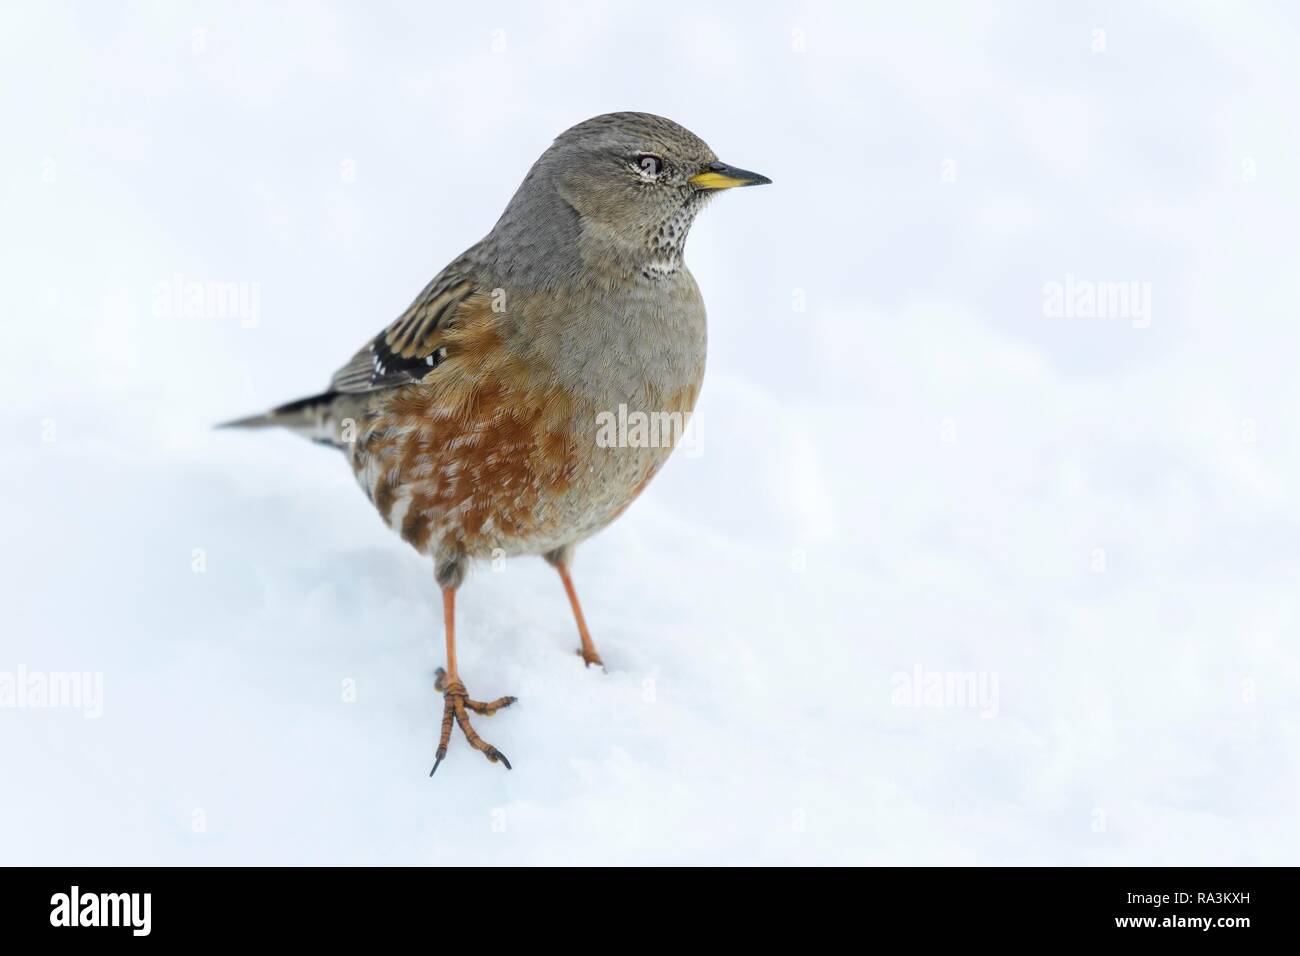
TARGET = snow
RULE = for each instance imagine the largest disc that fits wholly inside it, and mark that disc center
(906, 472)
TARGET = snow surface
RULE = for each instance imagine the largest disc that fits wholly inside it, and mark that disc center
(918, 470)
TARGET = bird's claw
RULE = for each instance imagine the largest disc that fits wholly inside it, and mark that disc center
(591, 657)
(456, 703)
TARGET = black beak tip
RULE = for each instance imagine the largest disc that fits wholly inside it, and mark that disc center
(751, 178)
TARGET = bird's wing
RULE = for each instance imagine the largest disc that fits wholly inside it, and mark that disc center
(409, 348)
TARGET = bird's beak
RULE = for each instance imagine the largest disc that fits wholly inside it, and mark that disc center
(722, 176)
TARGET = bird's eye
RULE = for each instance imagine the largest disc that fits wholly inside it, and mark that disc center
(649, 165)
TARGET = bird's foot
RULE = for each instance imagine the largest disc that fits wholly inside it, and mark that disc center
(456, 703)
(590, 657)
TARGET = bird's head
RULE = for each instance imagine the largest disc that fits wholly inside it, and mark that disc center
(635, 181)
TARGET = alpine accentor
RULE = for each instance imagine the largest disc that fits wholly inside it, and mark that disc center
(479, 422)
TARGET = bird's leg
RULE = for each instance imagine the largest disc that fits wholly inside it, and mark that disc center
(456, 701)
(588, 651)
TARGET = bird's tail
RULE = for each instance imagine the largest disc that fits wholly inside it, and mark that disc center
(316, 417)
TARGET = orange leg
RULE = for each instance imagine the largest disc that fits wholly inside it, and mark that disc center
(588, 652)
(456, 700)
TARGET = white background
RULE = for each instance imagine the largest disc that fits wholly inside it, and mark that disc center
(920, 469)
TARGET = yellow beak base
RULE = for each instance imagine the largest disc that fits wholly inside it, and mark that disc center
(722, 176)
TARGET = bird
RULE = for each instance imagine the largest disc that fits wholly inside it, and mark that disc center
(479, 422)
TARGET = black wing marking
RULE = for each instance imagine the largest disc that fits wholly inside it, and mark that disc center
(408, 349)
